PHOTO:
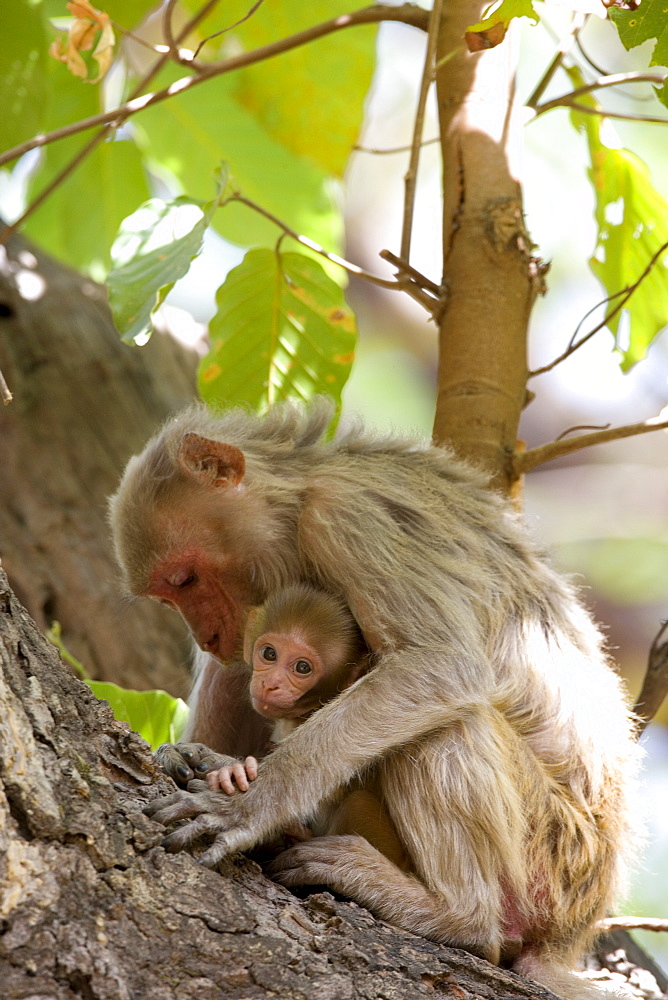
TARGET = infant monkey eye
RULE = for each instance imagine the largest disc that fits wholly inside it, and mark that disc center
(268, 653)
(303, 667)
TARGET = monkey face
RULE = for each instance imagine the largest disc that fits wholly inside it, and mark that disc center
(287, 675)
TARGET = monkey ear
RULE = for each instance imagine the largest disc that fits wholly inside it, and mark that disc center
(212, 463)
(250, 632)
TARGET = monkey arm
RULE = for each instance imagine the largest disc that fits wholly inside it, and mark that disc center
(386, 709)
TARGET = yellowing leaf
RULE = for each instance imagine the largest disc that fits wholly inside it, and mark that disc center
(282, 330)
(87, 25)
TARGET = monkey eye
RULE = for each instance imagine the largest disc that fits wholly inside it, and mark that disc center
(303, 667)
(268, 653)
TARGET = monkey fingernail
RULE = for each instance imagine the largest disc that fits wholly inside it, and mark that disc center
(183, 772)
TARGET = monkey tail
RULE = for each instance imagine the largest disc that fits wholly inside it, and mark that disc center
(548, 972)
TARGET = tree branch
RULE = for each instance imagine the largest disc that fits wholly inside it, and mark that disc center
(565, 46)
(659, 924)
(525, 461)
(312, 245)
(9, 230)
(623, 295)
(410, 177)
(407, 14)
(568, 100)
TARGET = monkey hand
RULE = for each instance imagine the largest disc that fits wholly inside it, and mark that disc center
(335, 861)
(226, 819)
(185, 761)
(233, 776)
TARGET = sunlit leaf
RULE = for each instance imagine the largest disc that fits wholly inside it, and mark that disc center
(632, 219)
(210, 126)
(22, 72)
(650, 20)
(504, 13)
(282, 330)
(154, 248)
(310, 99)
(155, 715)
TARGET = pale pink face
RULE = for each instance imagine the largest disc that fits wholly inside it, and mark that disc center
(285, 669)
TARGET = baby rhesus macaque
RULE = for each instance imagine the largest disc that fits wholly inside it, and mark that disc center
(305, 647)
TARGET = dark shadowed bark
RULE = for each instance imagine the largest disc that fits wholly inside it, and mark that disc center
(83, 403)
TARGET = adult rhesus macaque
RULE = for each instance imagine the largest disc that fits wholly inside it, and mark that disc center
(495, 729)
(304, 648)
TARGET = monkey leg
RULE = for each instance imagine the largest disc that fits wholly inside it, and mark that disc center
(349, 864)
(363, 813)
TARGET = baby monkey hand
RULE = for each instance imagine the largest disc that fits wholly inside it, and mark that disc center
(233, 777)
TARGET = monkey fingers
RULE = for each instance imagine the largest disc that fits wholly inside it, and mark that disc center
(231, 777)
(210, 813)
(331, 861)
(184, 761)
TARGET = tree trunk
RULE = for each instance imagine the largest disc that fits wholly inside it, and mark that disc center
(83, 403)
(489, 275)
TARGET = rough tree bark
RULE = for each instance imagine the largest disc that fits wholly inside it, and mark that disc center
(83, 403)
(91, 906)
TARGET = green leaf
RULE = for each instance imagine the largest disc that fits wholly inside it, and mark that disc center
(504, 13)
(282, 330)
(632, 219)
(80, 218)
(127, 13)
(22, 72)
(188, 136)
(311, 99)
(637, 26)
(154, 248)
(155, 715)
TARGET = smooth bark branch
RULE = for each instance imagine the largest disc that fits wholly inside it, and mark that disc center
(490, 277)
(525, 461)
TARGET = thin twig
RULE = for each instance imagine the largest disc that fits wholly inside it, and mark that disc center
(412, 272)
(231, 27)
(632, 924)
(407, 14)
(565, 45)
(623, 295)
(618, 116)
(525, 461)
(567, 100)
(410, 177)
(9, 229)
(312, 245)
(394, 149)
(581, 427)
(168, 35)
(655, 685)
